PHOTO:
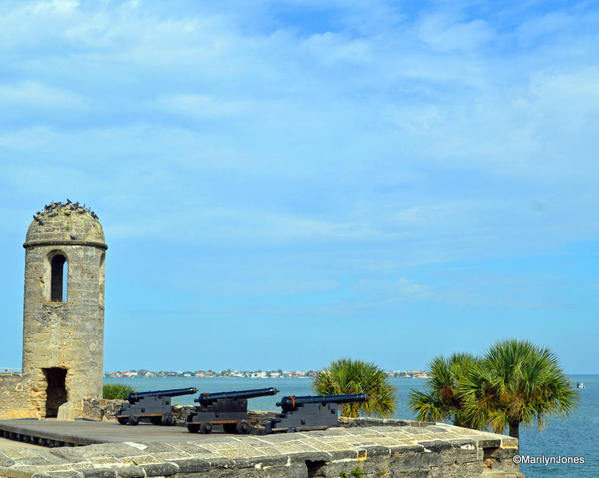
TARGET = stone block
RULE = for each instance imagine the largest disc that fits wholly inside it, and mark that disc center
(489, 443)
(191, 465)
(70, 410)
(91, 409)
(5, 460)
(71, 455)
(160, 469)
(130, 472)
(435, 446)
(110, 408)
(272, 461)
(99, 473)
(59, 474)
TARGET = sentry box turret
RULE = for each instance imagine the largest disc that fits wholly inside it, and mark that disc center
(310, 412)
(154, 406)
(229, 409)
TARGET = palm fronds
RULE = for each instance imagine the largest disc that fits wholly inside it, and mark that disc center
(355, 376)
(515, 383)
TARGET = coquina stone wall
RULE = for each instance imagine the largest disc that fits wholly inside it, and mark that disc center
(410, 450)
(14, 396)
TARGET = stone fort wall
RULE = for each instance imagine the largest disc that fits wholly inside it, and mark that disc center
(397, 449)
(15, 395)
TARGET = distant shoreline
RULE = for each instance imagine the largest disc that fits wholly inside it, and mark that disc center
(229, 373)
(244, 378)
(136, 377)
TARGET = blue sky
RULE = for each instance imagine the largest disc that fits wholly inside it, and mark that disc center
(282, 184)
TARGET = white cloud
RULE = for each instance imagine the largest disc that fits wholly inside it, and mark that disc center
(333, 135)
(575, 93)
(60, 7)
(34, 96)
(443, 32)
(393, 290)
(546, 25)
(204, 106)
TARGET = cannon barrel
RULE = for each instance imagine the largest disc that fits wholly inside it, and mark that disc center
(291, 402)
(206, 398)
(175, 392)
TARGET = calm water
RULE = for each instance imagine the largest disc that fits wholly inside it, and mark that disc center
(573, 436)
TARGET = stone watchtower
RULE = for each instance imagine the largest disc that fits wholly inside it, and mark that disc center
(63, 315)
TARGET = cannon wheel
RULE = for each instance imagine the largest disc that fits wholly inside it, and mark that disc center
(133, 420)
(230, 427)
(206, 427)
(122, 420)
(193, 427)
(156, 420)
(243, 427)
(167, 420)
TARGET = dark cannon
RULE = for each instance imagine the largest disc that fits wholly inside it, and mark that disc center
(309, 412)
(228, 409)
(152, 406)
(135, 397)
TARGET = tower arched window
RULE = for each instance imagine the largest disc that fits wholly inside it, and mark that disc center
(59, 272)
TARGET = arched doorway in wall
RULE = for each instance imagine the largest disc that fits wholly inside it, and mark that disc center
(56, 391)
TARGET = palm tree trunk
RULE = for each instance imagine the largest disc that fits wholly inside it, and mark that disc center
(515, 432)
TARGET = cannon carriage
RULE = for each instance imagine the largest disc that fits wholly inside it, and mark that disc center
(154, 406)
(310, 412)
(228, 409)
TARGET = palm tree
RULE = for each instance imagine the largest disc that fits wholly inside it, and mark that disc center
(442, 400)
(355, 376)
(516, 383)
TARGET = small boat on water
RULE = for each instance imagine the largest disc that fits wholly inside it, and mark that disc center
(579, 384)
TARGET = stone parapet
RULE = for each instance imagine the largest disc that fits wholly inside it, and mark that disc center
(376, 451)
(15, 397)
(101, 409)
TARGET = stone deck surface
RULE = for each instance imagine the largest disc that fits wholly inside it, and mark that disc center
(87, 432)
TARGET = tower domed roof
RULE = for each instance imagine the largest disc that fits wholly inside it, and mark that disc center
(65, 223)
